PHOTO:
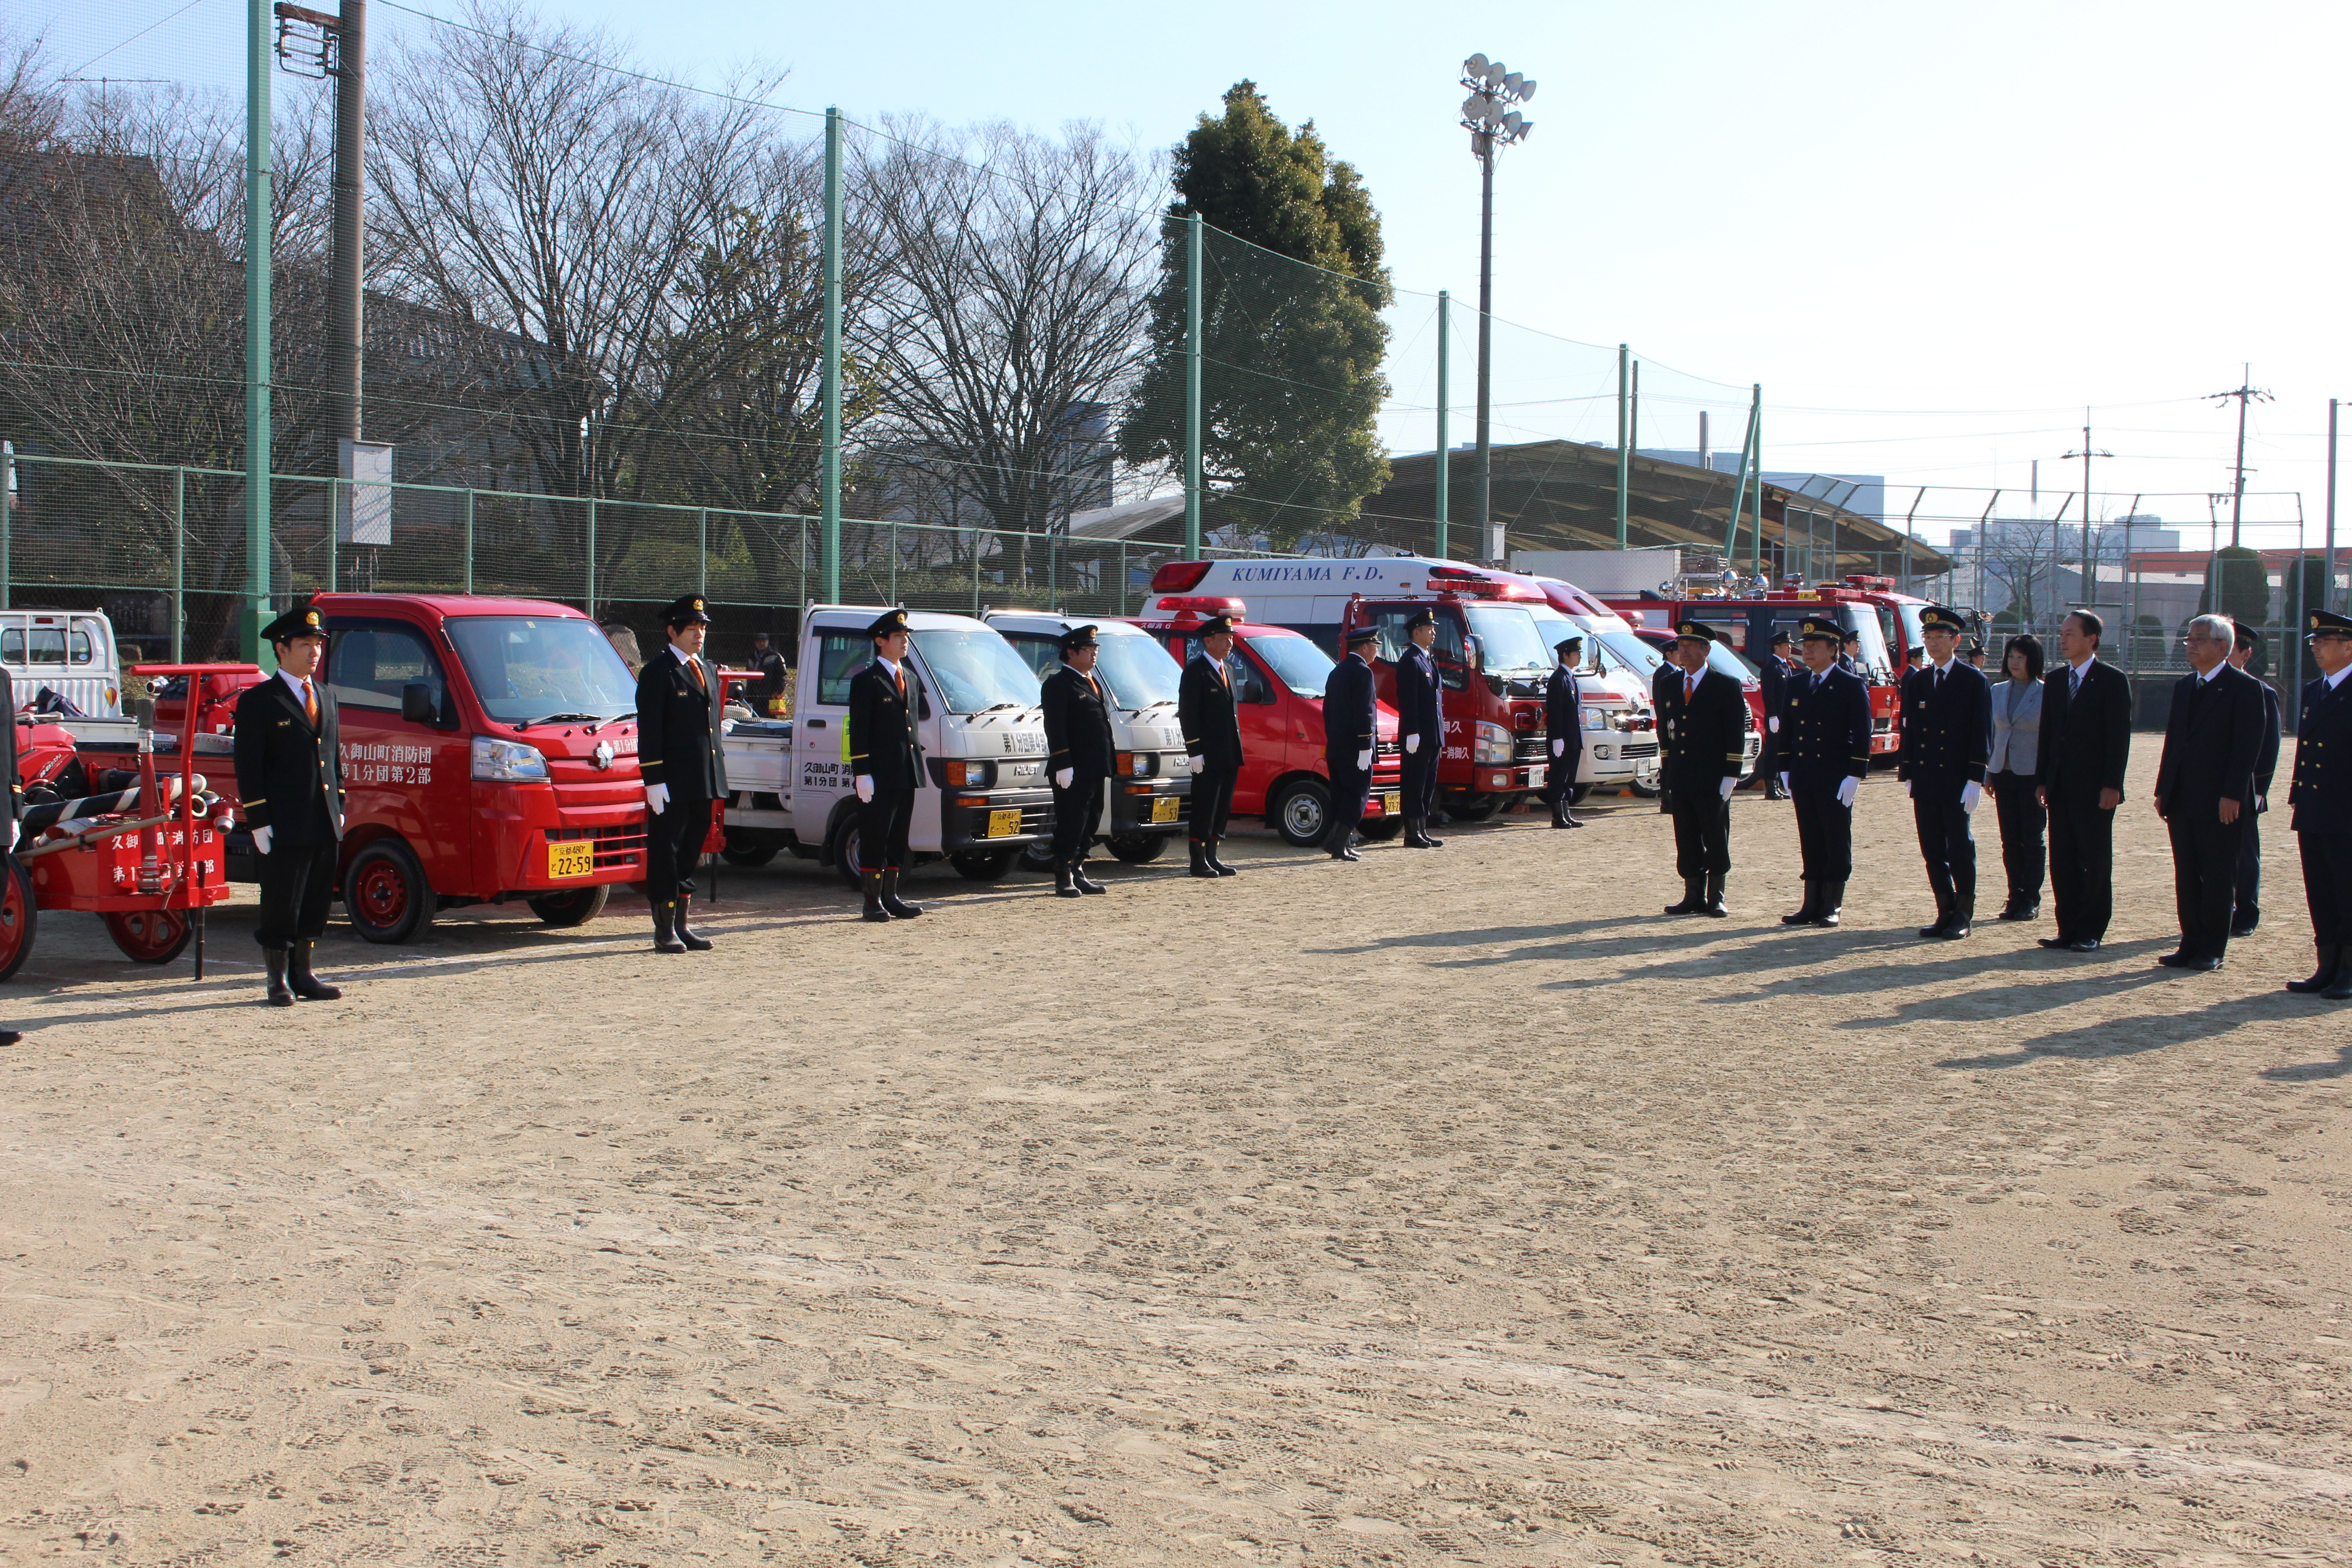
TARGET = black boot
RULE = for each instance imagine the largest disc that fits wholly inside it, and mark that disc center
(665, 928)
(872, 884)
(896, 907)
(1201, 867)
(1560, 812)
(1063, 887)
(1079, 880)
(1217, 863)
(1825, 913)
(276, 995)
(2340, 988)
(1804, 916)
(308, 985)
(698, 943)
(1714, 905)
(1772, 790)
(1960, 916)
(1943, 918)
(10, 1037)
(1694, 897)
(2331, 958)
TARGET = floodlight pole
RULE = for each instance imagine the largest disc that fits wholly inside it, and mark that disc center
(2327, 587)
(829, 459)
(256, 328)
(1482, 465)
(1443, 477)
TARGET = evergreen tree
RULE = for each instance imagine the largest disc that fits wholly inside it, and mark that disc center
(1291, 342)
(2243, 590)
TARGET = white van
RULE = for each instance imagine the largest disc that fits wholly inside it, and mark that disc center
(71, 652)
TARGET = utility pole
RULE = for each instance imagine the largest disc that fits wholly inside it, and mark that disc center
(2245, 392)
(1443, 506)
(257, 211)
(2327, 587)
(2090, 566)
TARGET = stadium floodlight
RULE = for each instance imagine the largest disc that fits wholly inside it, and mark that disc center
(1492, 116)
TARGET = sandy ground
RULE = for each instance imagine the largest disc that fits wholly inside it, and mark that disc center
(1446, 1208)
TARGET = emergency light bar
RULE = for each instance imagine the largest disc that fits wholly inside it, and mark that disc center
(1179, 576)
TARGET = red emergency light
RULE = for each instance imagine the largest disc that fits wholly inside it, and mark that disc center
(1872, 585)
(1179, 576)
(1185, 612)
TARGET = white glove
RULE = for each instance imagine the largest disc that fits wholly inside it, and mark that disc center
(2261, 803)
(1773, 725)
(339, 825)
(261, 841)
(14, 828)
(1728, 786)
(1906, 789)
(1784, 781)
(1559, 747)
(1970, 794)
(657, 798)
(1848, 787)
(1363, 761)
(865, 788)
(1412, 745)
(1062, 780)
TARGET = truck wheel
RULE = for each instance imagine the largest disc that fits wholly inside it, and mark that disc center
(1578, 793)
(1646, 791)
(1379, 829)
(973, 867)
(1140, 849)
(576, 908)
(845, 850)
(1037, 855)
(19, 916)
(149, 936)
(1303, 814)
(746, 852)
(1473, 808)
(386, 894)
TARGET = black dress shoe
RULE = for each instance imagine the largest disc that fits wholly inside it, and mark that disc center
(2202, 965)
(2176, 960)
(1953, 931)
(2242, 933)
(1345, 854)
(2017, 912)
(2051, 941)
(9, 1036)
(2083, 944)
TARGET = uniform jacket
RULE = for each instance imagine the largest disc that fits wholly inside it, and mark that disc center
(882, 740)
(1564, 712)
(16, 794)
(677, 728)
(1205, 712)
(2212, 743)
(1773, 675)
(1825, 734)
(2086, 735)
(2322, 791)
(1946, 733)
(1704, 741)
(1351, 722)
(2016, 737)
(2266, 764)
(290, 777)
(1419, 699)
(1077, 723)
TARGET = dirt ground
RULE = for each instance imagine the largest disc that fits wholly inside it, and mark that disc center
(1452, 1207)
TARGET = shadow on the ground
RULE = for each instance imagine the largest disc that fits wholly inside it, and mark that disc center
(2116, 1038)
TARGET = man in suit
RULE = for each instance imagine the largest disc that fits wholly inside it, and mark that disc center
(684, 770)
(886, 763)
(1946, 742)
(1773, 674)
(1350, 736)
(773, 674)
(1420, 727)
(290, 780)
(1212, 738)
(2086, 751)
(1564, 722)
(2321, 797)
(1850, 658)
(1703, 730)
(1080, 757)
(2205, 788)
(1826, 743)
(2248, 913)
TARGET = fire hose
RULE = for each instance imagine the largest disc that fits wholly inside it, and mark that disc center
(203, 805)
(49, 814)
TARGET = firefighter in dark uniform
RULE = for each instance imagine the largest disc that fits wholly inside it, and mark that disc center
(679, 753)
(772, 673)
(15, 794)
(1350, 737)
(885, 760)
(1080, 756)
(1947, 741)
(1421, 728)
(2247, 913)
(1564, 723)
(1825, 755)
(1703, 730)
(1213, 739)
(1773, 675)
(2322, 801)
(290, 777)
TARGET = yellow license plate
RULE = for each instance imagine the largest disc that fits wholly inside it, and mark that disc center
(1005, 824)
(1393, 804)
(1164, 809)
(573, 858)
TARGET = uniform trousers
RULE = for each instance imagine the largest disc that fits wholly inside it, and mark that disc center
(1350, 791)
(2022, 822)
(1702, 831)
(1078, 812)
(1421, 782)
(2082, 866)
(1950, 849)
(882, 824)
(298, 883)
(1824, 833)
(2249, 899)
(2328, 885)
(673, 845)
(1213, 802)
(1560, 785)
(2204, 876)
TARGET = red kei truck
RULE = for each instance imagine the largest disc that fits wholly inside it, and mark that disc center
(1279, 702)
(490, 756)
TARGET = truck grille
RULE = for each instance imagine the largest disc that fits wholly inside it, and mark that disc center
(1633, 749)
(1531, 749)
(1388, 749)
(615, 845)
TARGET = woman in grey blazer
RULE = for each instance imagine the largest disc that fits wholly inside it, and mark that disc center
(2016, 748)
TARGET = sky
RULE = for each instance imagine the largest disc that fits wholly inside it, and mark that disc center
(1932, 232)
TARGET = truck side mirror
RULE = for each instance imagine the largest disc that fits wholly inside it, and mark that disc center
(416, 704)
(1473, 655)
(1256, 689)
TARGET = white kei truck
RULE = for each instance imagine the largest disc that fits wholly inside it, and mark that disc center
(984, 795)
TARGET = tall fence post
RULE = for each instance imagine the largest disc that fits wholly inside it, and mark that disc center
(470, 541)
(894, 564)
(338, 498)
(702, 550)
(1193, 385)
(829, 459)
(591, 557)
(1756, 459)
(259, 45)
(179, 560)
(1624, 459)
(7, 513)
(1122, 577)
(1442, 507)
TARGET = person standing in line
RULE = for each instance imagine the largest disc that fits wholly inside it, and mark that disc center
(684, 770)
(1703, 722)
(2247, 915)
(1350, 736)
(885, 762)
(1212, 737)
(2086, 751)
(290, 778)
(16, 792)
(1850, 657)
(1827, 741)
(1080, 757)
(1564, 722)
(2009, 772)
(2205, 789)
(1974, 653)
(1946, 742)
(1773, 674)
(2321, 801)
(770, 688)
(1420, 727)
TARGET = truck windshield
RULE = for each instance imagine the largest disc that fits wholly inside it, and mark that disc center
(533, 666)
(1734, 664)
(1626, 651)
(976, 671)
(1553, 627)
(1863, 621)
(1295, 661)
(1137, 670)
(1508, 633)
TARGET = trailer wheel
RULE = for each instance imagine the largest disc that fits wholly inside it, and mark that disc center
(1140, 849)
(149, 936)
(1303, 816)
(386, 894)
(576, 908)
(19, 916)
(973, 867)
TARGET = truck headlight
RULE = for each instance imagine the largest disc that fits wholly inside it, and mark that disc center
(508, 761)
(1139, 765)
(1492, 747)
(970, 775)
